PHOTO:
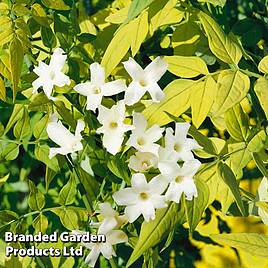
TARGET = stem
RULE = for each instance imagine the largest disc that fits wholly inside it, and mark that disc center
(112, 263)
(249, 73)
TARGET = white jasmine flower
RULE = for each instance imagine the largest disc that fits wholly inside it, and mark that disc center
(96, 88)
(68, 142)
(113, 237)
(113, 127)
(50, 75)
(263, 197)
(144, 140)
(179, 144)
(145, 80)
(142, 161)
(111, 218)
(181, 180)
(142, 197)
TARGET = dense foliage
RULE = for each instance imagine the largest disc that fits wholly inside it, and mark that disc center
(143, 120)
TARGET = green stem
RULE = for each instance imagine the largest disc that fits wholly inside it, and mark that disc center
(112, 263)
(249, 73)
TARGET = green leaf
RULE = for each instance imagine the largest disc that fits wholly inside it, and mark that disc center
(16, 60)
(214, 2)
(58, 5)
(36, 199)
(233, 86)
(15, 116)
(255, 244)
(40, 15)
(263, 65)
(176, 102)
(221, 45)
(257, 142)
(68, 217)
(237, 123)
(186, 67)
(48, 37)
(40, 223)
(2, 90)
(202, 98)
(260, 164)
(50, 174)
(139, 28)
(40, 103)
(22, 129)
(117, 48)
(4, 179)
(65, 113)
(10, 152)
(227, 175)
(68, 192)
(41, 153)
(119, 168)
(154, 231)
(261, 89)
(136, 7)
(7, 216)
(40, 128)
(196, 207)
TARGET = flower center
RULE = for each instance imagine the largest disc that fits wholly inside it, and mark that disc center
(143, 83)
(52, 75)
(145, 164)
(141, 141)
(178, 179)
(144, 196)
(177, 147)
(113, 125)
(96, 90)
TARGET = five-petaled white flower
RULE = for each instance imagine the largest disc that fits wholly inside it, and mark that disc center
(110, 218)
(180, 179)
(142, 197)
(113, 127)
(145, 80)
(68, 142)
(179, 145)
(142, 161)
(144, 140)
(96, 88)
(50, 75)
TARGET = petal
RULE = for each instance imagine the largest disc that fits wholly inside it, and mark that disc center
(174, 192)
(134, 93)
(57, 59)
(97, 74)
(184, 155)
(149, 147)
(156, 92)
(48, 87)
(93, 101)
(158, 184)
(139, 122)
(92, 256)
(41, 69)
(158, 201)
(155, 133)
(84, 89)
(168, 168)
(54, 151)
(132, 212)
(139, 183)
(106, 210)
(114, 87)
(192, 144)
(125, 197)
(181, 131)
(103, 114)
(148, 211)
(112, 143)
(107, 225)
(79, 127)
(116, 237)
(134, 69)
(156, 69)
(61, 79)
(190, 168)
(189, 188)
(106, 250)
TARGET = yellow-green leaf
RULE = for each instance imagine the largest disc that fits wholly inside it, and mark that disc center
(237, 123)
(219, 43)
(214, 2)
(22, 129)
(139, 28)
(263, 65)
(202, 98)
(40, 223)
(257, 142)
(16, 60)
(58, 5)
(2, 90)
(176, 102)
(232, 88)
(36, 199)
(253, 243)
(261, 89)
(119, 16)
(117, 49)
(186, 67)
(6, 36)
